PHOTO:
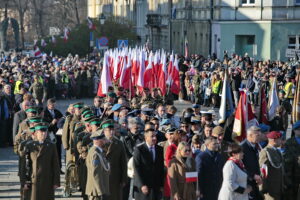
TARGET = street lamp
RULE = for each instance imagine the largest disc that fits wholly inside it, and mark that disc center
(102, 19)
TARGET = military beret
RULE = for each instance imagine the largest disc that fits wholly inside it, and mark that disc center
(107, 124)
(264, 128)
(296, 125)
(35, 120)
(116, 107)
(133, 113)
(32, 109)
(97, 135)
(94, 121)
(78, 105)
(85, 110)
(274, 135)
(196, 106)
(112, 95)
(41, 126)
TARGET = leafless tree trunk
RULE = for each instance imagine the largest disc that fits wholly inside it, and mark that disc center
(76, 12)
(22, 7)
(39, 7)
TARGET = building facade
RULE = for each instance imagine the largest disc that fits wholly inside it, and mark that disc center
(265, 29)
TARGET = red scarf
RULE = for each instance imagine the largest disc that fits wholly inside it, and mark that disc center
(239, 163)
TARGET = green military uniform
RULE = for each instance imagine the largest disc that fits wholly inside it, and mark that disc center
(69, 143)
(45, 170)
(115, 154)
(272, 186)
(196, 81)
(292, 168)
(83, 143)
(97, 187)
(38, 91)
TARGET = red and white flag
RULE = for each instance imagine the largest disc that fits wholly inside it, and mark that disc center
(66, 34)
(175, 85)
(244, 118)
(140, 79)
(148, 75)
(191, 177)
(264, 171)
(162, 77)
(37, 52)
(125, 77)
(91, 24)
(105, 79)
(43, 43)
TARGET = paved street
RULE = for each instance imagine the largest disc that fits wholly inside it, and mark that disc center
(9, 181)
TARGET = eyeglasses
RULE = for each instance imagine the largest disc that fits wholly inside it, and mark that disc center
(187, 150)
(184, 126)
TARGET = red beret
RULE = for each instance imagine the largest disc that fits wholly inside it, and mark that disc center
(274, 135)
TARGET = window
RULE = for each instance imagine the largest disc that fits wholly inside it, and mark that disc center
(293, 42)
(249, 1)
(297, 2)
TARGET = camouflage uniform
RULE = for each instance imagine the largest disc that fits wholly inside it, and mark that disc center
(292, 169)
(196, 84)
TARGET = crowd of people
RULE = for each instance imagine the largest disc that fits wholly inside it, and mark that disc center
(140, 147)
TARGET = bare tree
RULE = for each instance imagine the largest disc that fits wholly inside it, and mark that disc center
(39, 8)
(22, 7)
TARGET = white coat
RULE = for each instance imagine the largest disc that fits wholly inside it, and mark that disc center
(233, 177)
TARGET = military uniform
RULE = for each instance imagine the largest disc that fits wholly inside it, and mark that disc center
(271, 158)
(292, 168)
(97, 187)
(38, 91)
(196, 81)
(45, 171)
(69, 143)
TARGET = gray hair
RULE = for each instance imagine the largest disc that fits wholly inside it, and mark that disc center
(252, 129)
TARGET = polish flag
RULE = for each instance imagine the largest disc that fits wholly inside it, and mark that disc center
(43, 43)
(140, 79)
(162, 77)
(148, 75)
(66, 34)
(186, 48)
(175, 86)
(135, 66)
(105, 79)
(37, 52)
(156, 66)
(191, 177)
(125, 76)
(244, 118)
(264, 170)
(91, 24)
(170, 69)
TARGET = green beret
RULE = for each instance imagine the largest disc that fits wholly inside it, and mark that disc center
(95, 121)
(35, 120)
(112, 95)
(107, 124)
(31, 110)
(78, 105)
(41, 126)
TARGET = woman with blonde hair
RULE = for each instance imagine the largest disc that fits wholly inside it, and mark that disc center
(182, 174)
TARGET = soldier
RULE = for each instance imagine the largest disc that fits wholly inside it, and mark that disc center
(83, 144)
(271, 164)
(38, 91)
(196, 81)
(45, 169)
(68, 140)
(116, 157)
(21, 140)
(97, 187)
(292, 164)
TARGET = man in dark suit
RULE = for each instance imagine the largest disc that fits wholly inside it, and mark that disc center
(96, 107)
(51, 116)
(251, 151)
(209, 165)
(19, 117)
(148, 168)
